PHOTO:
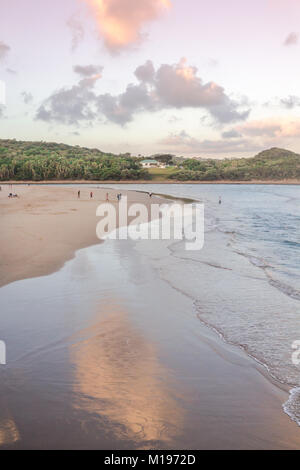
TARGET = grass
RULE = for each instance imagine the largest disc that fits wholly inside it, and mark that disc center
(161, 174)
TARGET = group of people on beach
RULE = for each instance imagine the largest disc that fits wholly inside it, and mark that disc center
(79, 194)
(10, 195)
(119, 196)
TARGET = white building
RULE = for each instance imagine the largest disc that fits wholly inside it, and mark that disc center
(152, 164)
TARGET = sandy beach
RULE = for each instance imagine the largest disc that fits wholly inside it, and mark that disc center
(44, 227)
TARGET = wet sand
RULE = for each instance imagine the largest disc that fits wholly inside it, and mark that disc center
(97, 361)
(42, 229)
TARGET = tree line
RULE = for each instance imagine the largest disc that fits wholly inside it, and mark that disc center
(38, 161)
(273, 164)
(23, 161)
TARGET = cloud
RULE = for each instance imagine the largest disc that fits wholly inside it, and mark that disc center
(170, 86)
(179, 86)
(145, 73)
(70, 106)
(77, 32)
(231, 134)
(248, 137)
(88, 70)
(290, 102)
(121, 21)
(4, 50)
(121, 109)
(271, 128)
(260, 128)
(184, 143)
(291, 39)
(27, 97)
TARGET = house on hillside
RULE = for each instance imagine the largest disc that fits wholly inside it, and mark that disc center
(149, 163)
(152, 164)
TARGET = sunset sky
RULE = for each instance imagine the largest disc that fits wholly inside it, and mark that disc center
(190, 77)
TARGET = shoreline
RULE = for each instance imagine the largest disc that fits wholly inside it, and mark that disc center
(289, 182)
(43, 228)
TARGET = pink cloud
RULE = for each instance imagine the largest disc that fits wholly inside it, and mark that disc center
(121, 21)
(186, 144)
(271, 128)
(179, 86)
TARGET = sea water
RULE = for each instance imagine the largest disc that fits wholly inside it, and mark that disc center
(245, 282)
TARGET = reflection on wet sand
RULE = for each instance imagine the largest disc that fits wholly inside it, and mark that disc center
(8, 432)
(119, 380)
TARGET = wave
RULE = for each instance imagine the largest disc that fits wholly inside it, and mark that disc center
(264, 265)
(284, 288)
(291, 407)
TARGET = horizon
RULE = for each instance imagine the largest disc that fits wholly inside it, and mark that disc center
(111, 80)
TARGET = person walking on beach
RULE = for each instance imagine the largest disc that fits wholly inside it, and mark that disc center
(220, 200)
(78, 194)
(91, 195)
(107, 198)
(150, 194)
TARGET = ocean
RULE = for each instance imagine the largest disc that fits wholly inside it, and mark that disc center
(245, 282)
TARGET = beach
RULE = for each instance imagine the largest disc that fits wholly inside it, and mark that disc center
(44, 227)
(140, 344)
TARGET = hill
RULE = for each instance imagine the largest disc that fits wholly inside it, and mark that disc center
(272, 164)
(38, 161)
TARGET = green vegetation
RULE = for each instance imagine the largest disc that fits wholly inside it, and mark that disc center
(165, 158)
(162, 174)
(38, 161)
(273, 164)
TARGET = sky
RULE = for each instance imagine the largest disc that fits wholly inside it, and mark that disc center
(217, 79)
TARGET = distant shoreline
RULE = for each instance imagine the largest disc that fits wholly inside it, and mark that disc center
(80, 182)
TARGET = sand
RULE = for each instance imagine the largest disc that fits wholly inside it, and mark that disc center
(43, 228)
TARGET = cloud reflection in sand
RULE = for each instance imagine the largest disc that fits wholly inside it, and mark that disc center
(9, 433)
(119, 379)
